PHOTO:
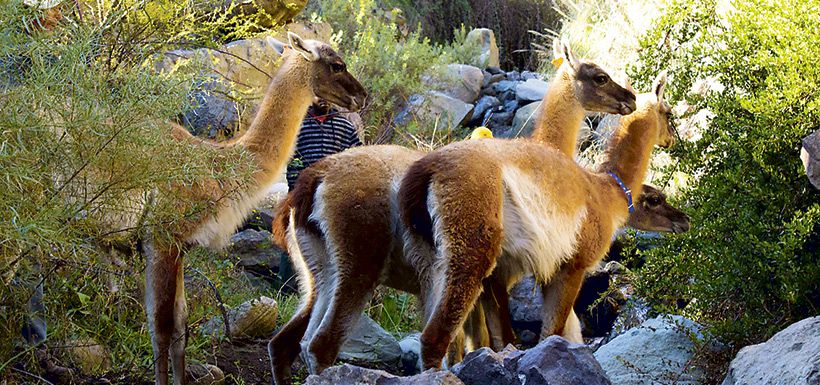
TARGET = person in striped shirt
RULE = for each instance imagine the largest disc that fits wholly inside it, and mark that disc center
(324, 132)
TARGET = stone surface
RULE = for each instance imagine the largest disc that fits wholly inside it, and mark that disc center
(306, 30)
(524, 121)
(792, 356)
(255, 318)
(371, 344)
(350, 374)
(410, 353)
(481, 107)
(810, 155)
(436, 108)
(204, 374)
(659, 351)
(504, 86)
(485, 39)
(255, 251)
(556, 361)
(88, 355)
(462, 82)
(531, 90)
(484, 366)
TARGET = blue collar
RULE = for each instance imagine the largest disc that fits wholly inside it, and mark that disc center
(627, 191)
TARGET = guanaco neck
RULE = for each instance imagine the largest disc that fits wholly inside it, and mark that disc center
(271, 135)
(561, 114)
(631, 147)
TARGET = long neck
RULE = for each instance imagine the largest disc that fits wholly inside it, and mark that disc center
(561, 114)
(272, 134)
(631, 147)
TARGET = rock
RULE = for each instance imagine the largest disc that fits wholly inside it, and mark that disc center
(524, 121)
(88, 355)
(275, 12)
(792, 356)
(369, 343)
(597, 320)
(505, 86)
(659, 351)
(556, 361)
(527, 75)
(631, 315)
(514, 75)
(481, 107)
(810, 155)
(485, 39)
(436, 107)
(255, 318)
(306, 30)
(531, 90)
(498, 118)
(511, 106)
(204, 374)
(212, 112)
(484, 366)
(410, 353)
(526, 301)
(496, 71)
(351, 374)
(492, 79)
(255, 251)
(460, 81)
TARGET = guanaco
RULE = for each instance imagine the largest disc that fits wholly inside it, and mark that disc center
(309, 69)
(346, 237)
(511, 208)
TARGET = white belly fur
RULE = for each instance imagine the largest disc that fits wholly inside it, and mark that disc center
(216, 231)
(538, 237)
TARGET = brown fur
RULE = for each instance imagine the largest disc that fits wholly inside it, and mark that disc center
(464, 178)
(310, 69)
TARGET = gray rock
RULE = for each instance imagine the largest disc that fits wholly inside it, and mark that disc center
(527, 75)
(410, 353)
(255, 251)
(526, 301)
(255, 318)
(792, 356)
(488, 81)
(504, 86)
(459, 81)
(351, 374)
(484, 366)
(511, 106)
(369, 343)
(531, 90)
(514, 75)
(482, 106)
(631, 315)
(556, 361)
(485, 39)
(524, 122)
(810, 155)
(204, 374)
(495, 70)
(436, 107)
(659, 351)
(212, 112)
(499, 118)
(87, 355)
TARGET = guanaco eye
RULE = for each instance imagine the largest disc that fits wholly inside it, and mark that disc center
(653, 200)
(601, 79)
(337, 67)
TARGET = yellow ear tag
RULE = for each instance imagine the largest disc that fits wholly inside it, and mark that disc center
(557, 62)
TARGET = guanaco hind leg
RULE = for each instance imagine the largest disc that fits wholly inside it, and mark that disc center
(165, 305)
(559, 295)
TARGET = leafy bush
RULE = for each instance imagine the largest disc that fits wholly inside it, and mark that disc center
(749, 266)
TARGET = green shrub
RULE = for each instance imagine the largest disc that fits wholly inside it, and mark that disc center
(749, 266)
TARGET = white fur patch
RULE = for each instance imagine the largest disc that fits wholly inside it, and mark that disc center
(539, 236)
(216, 231)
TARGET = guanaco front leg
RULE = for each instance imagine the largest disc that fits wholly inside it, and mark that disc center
(559, 297)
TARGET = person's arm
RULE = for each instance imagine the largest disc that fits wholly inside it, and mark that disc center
(353, 136)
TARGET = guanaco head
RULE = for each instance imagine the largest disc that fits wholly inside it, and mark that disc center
(328, 74)
(666, 134)
(593, 87)
(654, 213)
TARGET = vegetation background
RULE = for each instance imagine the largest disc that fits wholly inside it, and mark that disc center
(748, 268)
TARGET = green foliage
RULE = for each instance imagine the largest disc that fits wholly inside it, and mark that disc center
(749, 266)
(84, 141)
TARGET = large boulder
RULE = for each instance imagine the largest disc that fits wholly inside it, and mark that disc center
(556, 361)
(255, 252)
(255, 318)
(484, 366)
(810, 155)
(459, 81)
(351, 374)
(485, 39)
(792, 356)
(369, 343)
(659, 351)
(531, 90)
(436, 107)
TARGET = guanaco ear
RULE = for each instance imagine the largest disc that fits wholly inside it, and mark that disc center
(279, 46)
(659, 85)
(308, 51)
(567, 53)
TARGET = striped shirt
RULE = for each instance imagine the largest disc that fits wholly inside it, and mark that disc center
(319, 137)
